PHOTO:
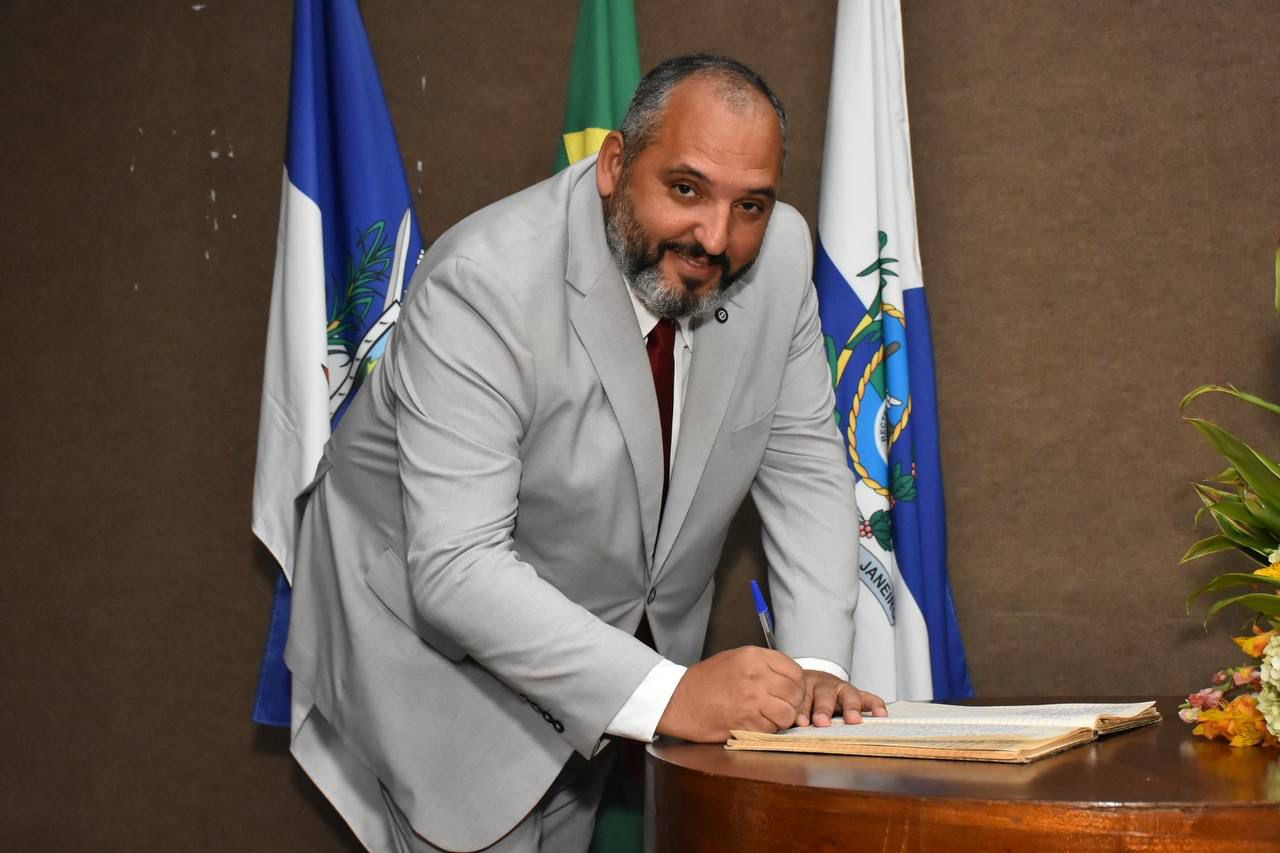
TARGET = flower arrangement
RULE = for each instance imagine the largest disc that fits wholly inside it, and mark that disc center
(1242, 704)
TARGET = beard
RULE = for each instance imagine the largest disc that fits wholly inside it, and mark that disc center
(641, 266)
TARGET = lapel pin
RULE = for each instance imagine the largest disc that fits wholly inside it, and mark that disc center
(722, 316)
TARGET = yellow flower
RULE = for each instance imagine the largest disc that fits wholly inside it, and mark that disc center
(1253, 646)
(1211, 724)
(1271, 571)
(1240, 722)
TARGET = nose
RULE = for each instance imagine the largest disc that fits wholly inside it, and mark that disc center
(713, 229)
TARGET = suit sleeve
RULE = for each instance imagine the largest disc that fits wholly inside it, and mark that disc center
(465, 393)
(804, 493)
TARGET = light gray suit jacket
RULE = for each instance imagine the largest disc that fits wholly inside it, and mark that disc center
(482, 535)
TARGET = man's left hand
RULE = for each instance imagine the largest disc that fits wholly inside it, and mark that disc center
(825, 696)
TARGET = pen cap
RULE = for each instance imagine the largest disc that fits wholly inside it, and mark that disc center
(761, 607)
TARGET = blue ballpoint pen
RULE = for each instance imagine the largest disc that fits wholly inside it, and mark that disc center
(762, 610)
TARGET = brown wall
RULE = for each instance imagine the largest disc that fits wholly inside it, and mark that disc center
(1098, 186)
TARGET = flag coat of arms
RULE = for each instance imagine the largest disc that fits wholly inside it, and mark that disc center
(875, 322)
(347, 245)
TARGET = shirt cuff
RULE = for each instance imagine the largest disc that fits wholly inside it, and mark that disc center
(638, 718)
(824, 666)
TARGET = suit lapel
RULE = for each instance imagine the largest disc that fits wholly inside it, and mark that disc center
(605, 323)
(710, 385)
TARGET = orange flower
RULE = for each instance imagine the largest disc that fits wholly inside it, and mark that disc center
(1213, 723)
(1253, 646)
(1240, 723)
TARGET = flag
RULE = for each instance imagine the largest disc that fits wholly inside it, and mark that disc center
(875, 322)
(602, 77)
(347, 245)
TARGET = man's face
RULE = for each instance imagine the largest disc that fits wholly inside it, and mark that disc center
(686, 218)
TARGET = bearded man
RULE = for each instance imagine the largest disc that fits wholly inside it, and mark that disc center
(506, 560)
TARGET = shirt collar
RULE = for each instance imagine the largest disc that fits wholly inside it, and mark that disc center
(646, 320)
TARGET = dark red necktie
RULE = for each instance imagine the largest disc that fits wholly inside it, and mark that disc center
(661, 345)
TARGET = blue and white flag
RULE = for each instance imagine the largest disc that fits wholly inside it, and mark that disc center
(876, 325)
(347, 246)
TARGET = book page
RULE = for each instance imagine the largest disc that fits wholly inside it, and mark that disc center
(1068, 714)
(879, 729)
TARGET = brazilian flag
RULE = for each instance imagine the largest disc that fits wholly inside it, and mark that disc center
(602, 78)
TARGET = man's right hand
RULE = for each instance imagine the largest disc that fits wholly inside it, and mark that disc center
(749, 688)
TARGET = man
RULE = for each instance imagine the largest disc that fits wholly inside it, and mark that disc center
(587, 379)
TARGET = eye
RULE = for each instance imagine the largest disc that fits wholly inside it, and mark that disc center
(684, 190)
(754, 208)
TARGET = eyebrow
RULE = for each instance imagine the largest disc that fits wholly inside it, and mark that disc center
(685, 169)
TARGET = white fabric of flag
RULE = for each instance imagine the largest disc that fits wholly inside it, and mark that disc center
(347, 245)
(875, 322)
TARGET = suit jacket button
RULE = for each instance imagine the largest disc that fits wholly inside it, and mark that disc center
(653, 593)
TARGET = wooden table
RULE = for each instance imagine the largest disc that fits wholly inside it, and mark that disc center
(1156, 788)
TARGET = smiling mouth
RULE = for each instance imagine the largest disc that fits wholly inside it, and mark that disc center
(700, 262)
(697, 263)
(696, 274)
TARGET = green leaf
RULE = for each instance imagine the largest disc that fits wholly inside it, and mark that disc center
(904, 487)
(1255, 547)
(871, 330)
(1230, 390)
(1242, 534)
(1255, 472)
(1270, 463)
(1251, 548)
(1261, 602)
(1227, 477)
(1230, 580)
(1234, 511)
(1210, 496)
(877, 304)
(1266, 516)
(882, 528)
(877, 264)
(832, 362)
(880, 376)
(1211, 545)
(370, 268)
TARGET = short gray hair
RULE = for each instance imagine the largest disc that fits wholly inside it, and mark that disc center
(736, 82)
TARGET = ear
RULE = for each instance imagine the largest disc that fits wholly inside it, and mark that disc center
(609, 164)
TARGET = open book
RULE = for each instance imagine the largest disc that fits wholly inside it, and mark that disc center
(1009, 733)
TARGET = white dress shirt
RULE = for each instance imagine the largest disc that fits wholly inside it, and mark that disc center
(638, 718)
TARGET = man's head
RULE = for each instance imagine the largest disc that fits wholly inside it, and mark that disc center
(690, 181)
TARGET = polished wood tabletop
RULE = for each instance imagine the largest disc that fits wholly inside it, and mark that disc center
(1155, 788)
